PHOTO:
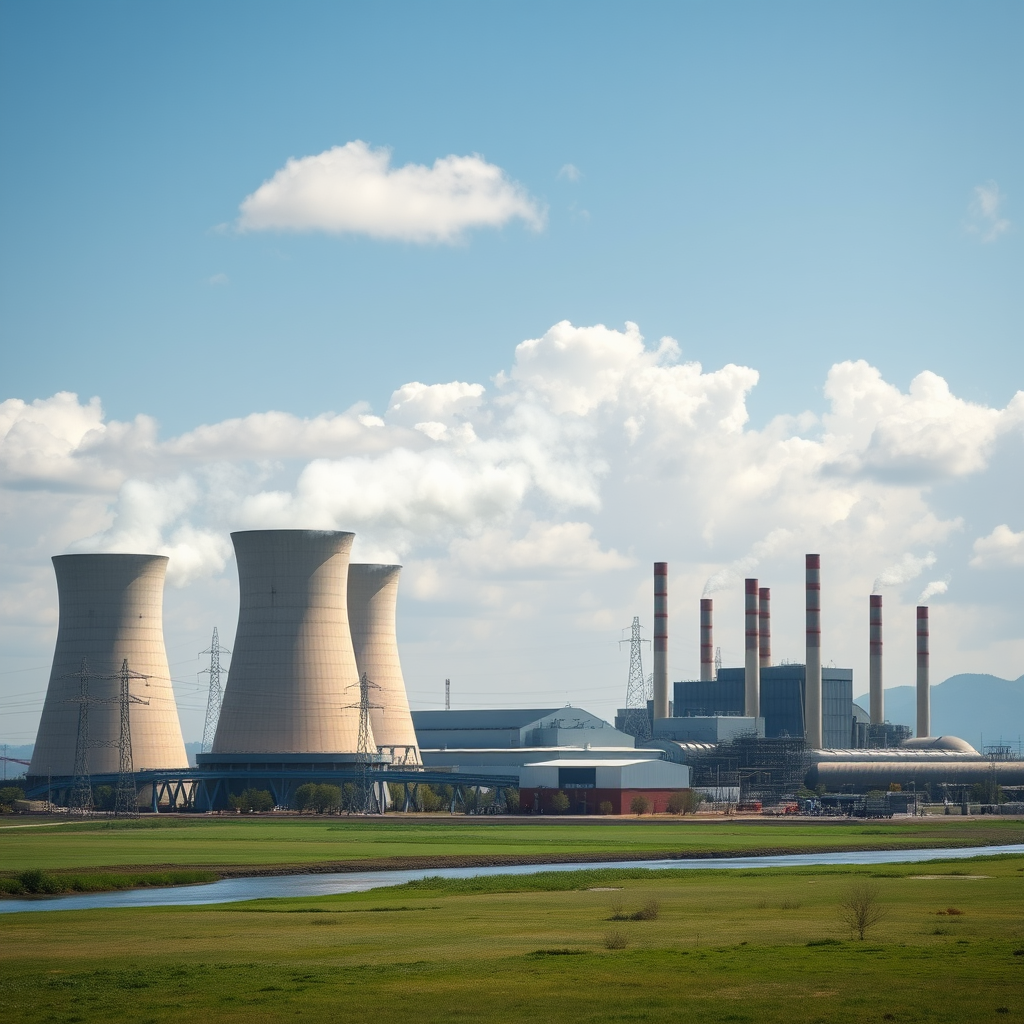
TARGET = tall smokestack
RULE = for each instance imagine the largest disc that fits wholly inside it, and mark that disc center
(812, 665)
(924, 696)
(752, 668)
(707, 646)
(875, 661)
(764, 634)
(661, 640)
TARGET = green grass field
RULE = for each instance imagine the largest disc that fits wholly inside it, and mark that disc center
(758, 946)
(245, 844)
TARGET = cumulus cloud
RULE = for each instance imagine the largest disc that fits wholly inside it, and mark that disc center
(570, 172)
(986, 219)
(353, 189)
(1001, 549)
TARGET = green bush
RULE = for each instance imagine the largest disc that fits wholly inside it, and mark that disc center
(8, 794)
(559, 803)
(685, 801)
(323, 798)
(604, 807)
(639, 805)
(252, 800)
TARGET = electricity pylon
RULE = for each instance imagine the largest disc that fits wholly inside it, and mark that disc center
(637, 723)
(216, 697)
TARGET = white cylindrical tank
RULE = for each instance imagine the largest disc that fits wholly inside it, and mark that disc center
(752, 663)
(372, 602)
(660, 640)
(293, 679)
(812, 679)
(924, 696)
(875, 692)
(111, 609)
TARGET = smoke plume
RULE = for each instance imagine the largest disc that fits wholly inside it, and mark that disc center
(907, 568)
(933, 588)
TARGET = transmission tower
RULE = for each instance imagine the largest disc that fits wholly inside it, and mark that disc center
(213, 702)
(80, 799)
(126, 795)
(637, 722)
(364, 752)
(718, 661)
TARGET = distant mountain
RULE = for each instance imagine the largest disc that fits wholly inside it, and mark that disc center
(973, 707)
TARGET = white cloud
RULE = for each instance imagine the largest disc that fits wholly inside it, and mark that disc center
(984, 211)
(539, 500)
(217, 279)
(354, 189)
(1001, 549)
(570, 172)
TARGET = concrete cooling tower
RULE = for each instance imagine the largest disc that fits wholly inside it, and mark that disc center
(111, 609)
(293, 679)
(372, 598)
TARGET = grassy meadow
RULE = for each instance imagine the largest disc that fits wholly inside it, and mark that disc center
(760, 946)
(249, 844)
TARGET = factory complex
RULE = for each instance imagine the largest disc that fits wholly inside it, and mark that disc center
(315, 694)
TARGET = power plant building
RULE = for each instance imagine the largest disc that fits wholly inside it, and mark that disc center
(782, 700)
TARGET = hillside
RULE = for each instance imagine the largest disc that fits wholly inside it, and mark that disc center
(969, 705)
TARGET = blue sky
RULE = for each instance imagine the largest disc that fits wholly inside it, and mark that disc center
(781, 185)
(787, 187)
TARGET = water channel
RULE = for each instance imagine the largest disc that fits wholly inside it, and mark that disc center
(232, 890)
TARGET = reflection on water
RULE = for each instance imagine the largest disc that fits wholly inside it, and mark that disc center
(231, 890)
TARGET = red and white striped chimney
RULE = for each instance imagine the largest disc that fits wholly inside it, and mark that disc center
(707, 646)
(812, 666)
(877, 694)
(764, 635)
(924, 696)
(660, 640)
(752, 666)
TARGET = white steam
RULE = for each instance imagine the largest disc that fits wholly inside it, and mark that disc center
(934, 588)
(909, 567)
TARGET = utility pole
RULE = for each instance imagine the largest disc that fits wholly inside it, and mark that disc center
(80, 799)
(637, 723)
(216, 696)
(718, 661)
(447, 695)
(126, 798)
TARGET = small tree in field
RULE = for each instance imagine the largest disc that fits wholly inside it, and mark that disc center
(639, 804)
(604, 807)
(559, 803)
(252, 800)
(862, 907)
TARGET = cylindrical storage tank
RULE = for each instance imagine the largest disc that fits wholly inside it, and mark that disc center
(861, 777)
(372, 602)
(924, 697)
(764, 627)
(661, 640)
(752, 663)
(876, 693)
(707, 643)
(293, 681)
(111, 609)
(812, 683)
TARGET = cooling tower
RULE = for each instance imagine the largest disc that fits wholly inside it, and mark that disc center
(752, 663)
(372, 598)
(707, 645)
(812, 679)
(875, 691)
(924, 695)
(764, 635)
(293, 677)
(111, 609)
(660, 640)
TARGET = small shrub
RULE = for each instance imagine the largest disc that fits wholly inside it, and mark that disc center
(251, 800)
(616, 940)
(639, 805)
(618, 913)
(604, 807)
(648, 912)
(950, 912)
(559, 803)
(8, 794)
(557, 952)
(824, 942)
(861, 907)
